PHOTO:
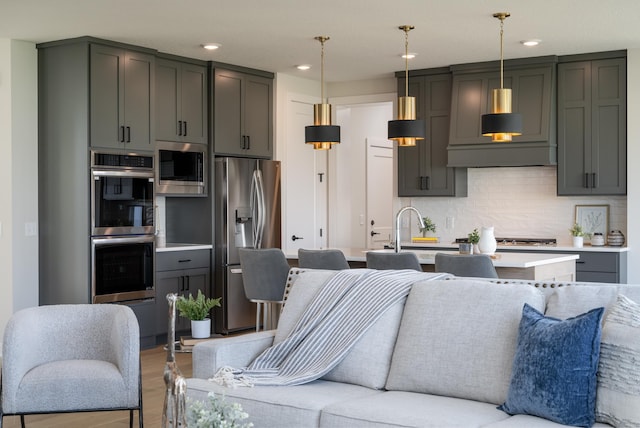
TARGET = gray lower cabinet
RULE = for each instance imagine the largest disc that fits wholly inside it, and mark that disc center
(422, 169)
(145, 313)
(242, 113)
(592, 126)
(183, 273)
(181, 101)
(121, 97)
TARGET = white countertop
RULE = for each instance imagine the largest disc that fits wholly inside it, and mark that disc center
(544, 248)
(183, 247)
(427, 257)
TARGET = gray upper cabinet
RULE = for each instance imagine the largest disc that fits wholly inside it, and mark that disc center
(422, 169)
(181, 101)
(592, 121)
(242, 114)
(121, 95)
(532, 82)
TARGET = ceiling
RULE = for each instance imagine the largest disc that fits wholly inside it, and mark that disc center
(277, 35)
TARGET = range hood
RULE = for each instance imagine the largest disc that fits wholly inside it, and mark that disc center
(533, 82)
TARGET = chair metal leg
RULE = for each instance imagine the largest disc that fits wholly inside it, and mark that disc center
(258, 315)
(131, 418)
(22, 421)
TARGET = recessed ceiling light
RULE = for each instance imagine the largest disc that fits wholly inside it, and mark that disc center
(532, 42)
(410, 55)
(211, 46)
(303, 67)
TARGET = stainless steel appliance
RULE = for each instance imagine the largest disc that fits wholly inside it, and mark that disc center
(533, 242)
(182, 168)
(122, 268)
(122, 194)
(247, 215)
(122, 227)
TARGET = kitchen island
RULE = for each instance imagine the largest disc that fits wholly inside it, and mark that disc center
(539, 266)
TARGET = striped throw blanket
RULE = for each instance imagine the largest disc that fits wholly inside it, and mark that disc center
(336, 318)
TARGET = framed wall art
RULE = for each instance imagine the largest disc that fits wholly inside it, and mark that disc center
(593, 219)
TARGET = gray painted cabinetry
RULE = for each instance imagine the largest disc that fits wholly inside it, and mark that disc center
(242, 113)
(121, 98)
(592, 122)
(181, 101)
(422, 169)
(181, 272)
(532, 82)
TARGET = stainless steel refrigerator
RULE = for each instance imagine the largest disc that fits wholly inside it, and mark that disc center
(246, 215)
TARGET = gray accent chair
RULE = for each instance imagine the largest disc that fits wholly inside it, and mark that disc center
(71, 358)
(385, 261)
(322, 259)
(473, 265)
(264, 276)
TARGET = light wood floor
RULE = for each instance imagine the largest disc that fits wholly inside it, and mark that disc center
(153, 387)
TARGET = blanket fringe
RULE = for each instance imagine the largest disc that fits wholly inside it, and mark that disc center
(231, 378)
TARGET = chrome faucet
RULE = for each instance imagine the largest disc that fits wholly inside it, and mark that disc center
(409, 208)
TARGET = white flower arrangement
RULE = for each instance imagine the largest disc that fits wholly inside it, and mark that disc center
(217, 413)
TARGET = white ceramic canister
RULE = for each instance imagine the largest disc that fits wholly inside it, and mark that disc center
(597, 240)
(487, 243)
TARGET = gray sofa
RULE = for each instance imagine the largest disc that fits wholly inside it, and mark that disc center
(441, 358)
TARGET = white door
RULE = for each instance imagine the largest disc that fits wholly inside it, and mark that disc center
(305, 171)
(379, 192)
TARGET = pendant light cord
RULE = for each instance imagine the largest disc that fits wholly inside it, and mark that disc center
(322, 40)
(406, 61)
(501, 53)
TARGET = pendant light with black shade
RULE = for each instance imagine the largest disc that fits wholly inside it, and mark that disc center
(501, 124)
(322, 134)
(406, 130)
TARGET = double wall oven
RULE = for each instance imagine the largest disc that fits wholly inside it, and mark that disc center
(122, 227)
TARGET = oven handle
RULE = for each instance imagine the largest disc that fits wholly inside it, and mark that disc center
(132, 239)
(122, 173)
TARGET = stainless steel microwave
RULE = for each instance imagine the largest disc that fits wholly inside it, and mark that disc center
(181, 169)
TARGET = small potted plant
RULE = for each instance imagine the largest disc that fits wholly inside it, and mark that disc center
(474, 238)
(429, 226)
(578, 235)
(197, 310)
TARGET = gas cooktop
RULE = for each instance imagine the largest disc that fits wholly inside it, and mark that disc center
(535, 242)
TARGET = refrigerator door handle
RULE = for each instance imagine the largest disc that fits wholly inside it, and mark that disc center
(258, 207)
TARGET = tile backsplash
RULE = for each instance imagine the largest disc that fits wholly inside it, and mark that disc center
(517, 202)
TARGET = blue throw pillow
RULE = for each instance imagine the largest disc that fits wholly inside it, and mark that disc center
(554, 368)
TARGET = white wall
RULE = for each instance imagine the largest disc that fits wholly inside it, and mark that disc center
(633, 172)
(357, 122)
(18, 177)
(518, 202)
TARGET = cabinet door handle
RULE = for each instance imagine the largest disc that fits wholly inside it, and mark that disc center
(185, 129)
(186, 278)
(586, 180)
(128, 134)
(179, 128)
(248, 142)
(182, 283)
(424, 182)
(121, 134)
(295, 238)
(242, 143)
(184, 260)
(593, 180)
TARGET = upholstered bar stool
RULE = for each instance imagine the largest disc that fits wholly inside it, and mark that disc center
(264, 275)
(401, 260)
(474, 265)
(322, 259)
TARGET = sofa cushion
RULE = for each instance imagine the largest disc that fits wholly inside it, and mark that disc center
(554, 369)
(458, 337)
(408, 409)
(368, 362)
(618, 397)
(282, 406)
(571, 301)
